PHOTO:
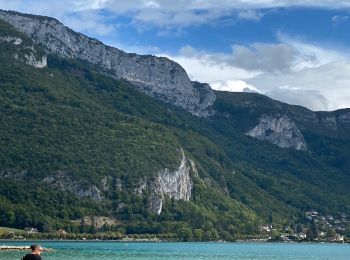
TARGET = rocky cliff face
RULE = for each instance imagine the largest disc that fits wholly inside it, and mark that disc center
(63, 182)
(329, 122)
(24, 52)
(279, 130)
(174, 184)
(158, 77)
(345, 117)
(98, 221)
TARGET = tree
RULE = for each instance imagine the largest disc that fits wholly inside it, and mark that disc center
(45, 225)
(330, 232)
(198, 234)
(185, 234)
(92, 229)
(299, 228)
(347, 232)
(214, 234)
(315, 229)
(7, 218)
(227, 236)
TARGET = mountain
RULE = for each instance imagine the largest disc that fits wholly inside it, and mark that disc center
(89, 132)
(157, 77)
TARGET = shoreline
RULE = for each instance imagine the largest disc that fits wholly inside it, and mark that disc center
(22, 248)
(167, 241)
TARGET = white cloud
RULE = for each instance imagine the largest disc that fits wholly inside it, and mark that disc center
(311, 55)
(339, 19)
(263, 57)
(209, 68)
(254, 15)
(317, 77)
(71, 13)
(210, 4)
(311, 99)
(325, 87)
(84, 5)
(52, 8)
(89, 22)
(233, 86)
(166, 13)
(308, 75)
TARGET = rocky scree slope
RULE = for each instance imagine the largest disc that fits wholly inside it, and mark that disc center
(158, 77)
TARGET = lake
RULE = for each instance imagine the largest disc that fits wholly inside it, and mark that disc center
(118, 250)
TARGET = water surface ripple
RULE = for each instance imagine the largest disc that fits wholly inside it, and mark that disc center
(243, 251)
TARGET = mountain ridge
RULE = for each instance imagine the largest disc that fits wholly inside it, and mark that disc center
(70, 122)
(156, 76)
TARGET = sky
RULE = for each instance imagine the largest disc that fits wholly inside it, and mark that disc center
(291, 50)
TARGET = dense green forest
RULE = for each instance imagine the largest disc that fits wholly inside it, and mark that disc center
(67, 119)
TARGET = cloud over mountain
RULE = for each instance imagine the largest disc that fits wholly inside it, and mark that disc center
(294, 69)
(165, 13)
(290, 71)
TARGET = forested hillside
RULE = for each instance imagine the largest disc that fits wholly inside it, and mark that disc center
(76, 143)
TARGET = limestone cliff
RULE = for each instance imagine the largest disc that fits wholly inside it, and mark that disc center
(174, 184)
(97, 221)
(63, 182)
(158, 77)
(24, 52)
(279, 130)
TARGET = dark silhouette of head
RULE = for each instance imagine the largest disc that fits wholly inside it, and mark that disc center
(36, 249)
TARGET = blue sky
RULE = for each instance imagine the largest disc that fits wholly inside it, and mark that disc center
(295, 51)
(311, 25)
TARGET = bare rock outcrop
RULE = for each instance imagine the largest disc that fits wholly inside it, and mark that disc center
(174, 184)
(279, 130)
(63, 182)
(329, 121)
(158, 77)
(25, 53)
(98, 221)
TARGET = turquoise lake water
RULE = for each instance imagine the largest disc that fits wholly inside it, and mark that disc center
(245, 251)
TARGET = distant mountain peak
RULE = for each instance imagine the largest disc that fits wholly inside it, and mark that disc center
(158, 77)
